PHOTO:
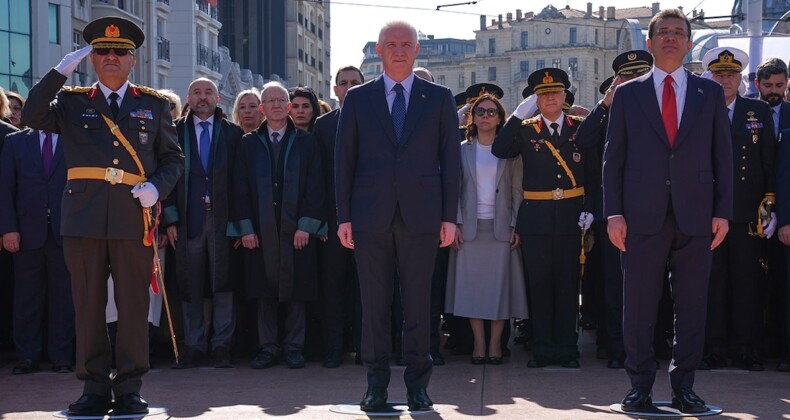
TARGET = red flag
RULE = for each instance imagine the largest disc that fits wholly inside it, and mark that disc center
(213, 2)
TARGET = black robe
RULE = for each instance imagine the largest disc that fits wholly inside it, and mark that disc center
(226, 140)
(295, 190)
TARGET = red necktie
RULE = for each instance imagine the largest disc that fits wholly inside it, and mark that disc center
(669, 110)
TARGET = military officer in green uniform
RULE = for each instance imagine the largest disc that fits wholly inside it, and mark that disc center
(122, 157)
(554, 213)
(735, 292)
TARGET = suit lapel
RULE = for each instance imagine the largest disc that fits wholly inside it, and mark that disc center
(695, 96)
(378, 100)
(417, 99)
(646, 98)
(470, 154)
(784, 116)
(34, 148)
(500, 169)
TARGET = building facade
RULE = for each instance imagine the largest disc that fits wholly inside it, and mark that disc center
(445, 53)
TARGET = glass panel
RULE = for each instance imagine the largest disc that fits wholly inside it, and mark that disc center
(19, 16)
(3, 15)
(54, 27)
(20, 55)
(5, 53)
(20, 85)
(4, 81)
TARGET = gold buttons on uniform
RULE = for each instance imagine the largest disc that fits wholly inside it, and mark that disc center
(743, 168)
(559, 176)
(115, 161)
(743, 147)
(115, 143)
(743, 178)
(85, 126)
(743, 157)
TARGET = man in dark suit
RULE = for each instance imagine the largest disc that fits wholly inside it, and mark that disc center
(772, 81)
(338, 274)
(197, 213)
(397, 180)
(6, 260)
(783, 213)
(735, 302)
(668, 174)
(32, 177)
(555, 206)
(122, 155)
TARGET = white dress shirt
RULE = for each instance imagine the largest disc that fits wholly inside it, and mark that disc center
(389, 84)
(560, 121)
(485, 177)
(199, 129)
(121, 92)
(680, 82)
(731, 109)
(280, 132)
(775, 114)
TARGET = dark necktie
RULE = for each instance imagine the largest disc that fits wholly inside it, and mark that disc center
(275, 137)
(46, 153)
(114, 107)
(205, 144)
(669, 110)
(398, 111)
(555, 135)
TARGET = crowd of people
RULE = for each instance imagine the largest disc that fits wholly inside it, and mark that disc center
(468, 221)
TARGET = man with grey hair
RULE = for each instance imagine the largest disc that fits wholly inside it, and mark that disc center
(196, 218)
(397, 181)
(279, 213)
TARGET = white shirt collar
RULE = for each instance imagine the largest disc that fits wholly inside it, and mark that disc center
(281, 131)
(196, 120)
(560, 120)
(731, 105)
(407, 83)
(679, 76)
(121, 91)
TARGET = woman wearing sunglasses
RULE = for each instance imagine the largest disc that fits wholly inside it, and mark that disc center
(485, 279)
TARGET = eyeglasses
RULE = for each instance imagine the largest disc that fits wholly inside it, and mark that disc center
(278, 101)
(486, 111)
(120, 52)
(666, 33)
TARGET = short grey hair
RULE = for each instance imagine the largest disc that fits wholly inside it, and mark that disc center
(202, 79)
(395, 24)
(276, 85)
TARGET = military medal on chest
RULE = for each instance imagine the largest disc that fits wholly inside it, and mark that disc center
(754, 125)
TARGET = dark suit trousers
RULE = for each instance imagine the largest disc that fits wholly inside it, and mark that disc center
(645, 262)
(613, 289)
(553, 262)
(90, 262)
(735, 309)
(378, 255)
(338, 279)
(43, 287)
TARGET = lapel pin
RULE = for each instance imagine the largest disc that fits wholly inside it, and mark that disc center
(699, 90)
(423, 96)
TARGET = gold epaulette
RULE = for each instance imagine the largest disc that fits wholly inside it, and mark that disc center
(576, 118)
(151, 91)
(76, 89)
(530, 121)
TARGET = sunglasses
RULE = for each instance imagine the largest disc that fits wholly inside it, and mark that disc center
(120, 52)
(486, 111)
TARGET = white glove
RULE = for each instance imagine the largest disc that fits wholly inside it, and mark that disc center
(146, 192)
(769, 228)
(70, 62)
(462, 111)
(527, 107)
(585, 220)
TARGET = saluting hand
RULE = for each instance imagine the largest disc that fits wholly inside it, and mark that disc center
(607, 98)
(71, 60)
(720, 227)
(617, 229)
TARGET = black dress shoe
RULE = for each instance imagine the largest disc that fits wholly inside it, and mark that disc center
(614, 364)
(571, 364)
(90, 405)
(783, 366)
(747, 362)
(375, 399)
(192, 359)
(24, 367)
(222, 358)
(62, 366)
(418, 399)
(637, 400)
(687, 401)
(130, 403)
(333, 359)
(537, 363)
(294, 359)
(263, 360)
(438, 359)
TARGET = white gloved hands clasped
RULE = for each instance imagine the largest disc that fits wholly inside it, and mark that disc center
(146, 192)
(585, 220)
(70, 62)
(527, 107)
(769, 228)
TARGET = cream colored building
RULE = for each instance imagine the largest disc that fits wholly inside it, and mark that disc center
(307, 46)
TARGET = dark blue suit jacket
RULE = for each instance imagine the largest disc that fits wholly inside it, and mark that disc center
(784, 116)
(375, 174)
(642, 173)
(26, 192)
(783, 178)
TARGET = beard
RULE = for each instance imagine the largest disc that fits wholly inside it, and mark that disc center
(773, 99)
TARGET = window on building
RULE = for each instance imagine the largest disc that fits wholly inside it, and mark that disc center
(54, 23)
(160, 28)
(442, 80)
(76, 41)
(556, 63)
(573, 67)
(492, 74)
(596, 37)
(473, 79)
(595, 66)
(573, 35)
(524, 40)
(539, 64)
(492, 45)
(524, 69)
(461, 81)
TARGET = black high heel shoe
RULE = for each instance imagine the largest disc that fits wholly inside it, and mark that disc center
(478, 360)
(494, 360)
